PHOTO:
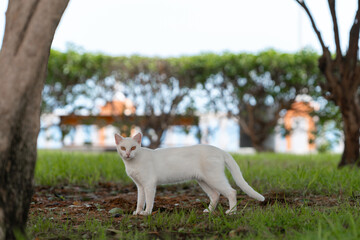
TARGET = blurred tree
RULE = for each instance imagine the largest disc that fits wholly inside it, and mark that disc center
(342, 85)
(29, 30)
(257, 88)
(76, 80)
(261, 86)
(159, 89)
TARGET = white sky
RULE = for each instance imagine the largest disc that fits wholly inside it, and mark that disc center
(187, 27)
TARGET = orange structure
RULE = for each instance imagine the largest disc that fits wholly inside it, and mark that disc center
(302, 110)
(115, 108)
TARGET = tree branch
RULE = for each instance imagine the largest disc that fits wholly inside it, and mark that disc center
(244, 125)
(336, 29)
(352, 52)
(304, 6)
(250, 111)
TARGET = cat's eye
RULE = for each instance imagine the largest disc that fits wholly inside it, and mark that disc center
(123, 148)
(133, 148)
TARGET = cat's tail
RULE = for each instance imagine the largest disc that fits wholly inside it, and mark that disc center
(239, 179)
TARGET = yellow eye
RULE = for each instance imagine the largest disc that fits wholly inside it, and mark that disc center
(133, 148)
(123, 148)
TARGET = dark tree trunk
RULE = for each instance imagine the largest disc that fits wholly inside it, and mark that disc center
(154, 144)
(343, 78)
(350, 155)
(157, 142)
(258, 143)
(258, 129)
(257, 138)
(29, 30)
(245, 140)
(158, 126)
(259, 148)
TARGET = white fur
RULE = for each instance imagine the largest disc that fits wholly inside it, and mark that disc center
(204, 163)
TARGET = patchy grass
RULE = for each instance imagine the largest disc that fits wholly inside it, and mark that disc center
(317, 174)
(307, 197)
(310, 174)
(61, 168)
(257, 222)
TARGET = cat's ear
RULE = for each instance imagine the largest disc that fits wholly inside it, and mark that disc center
(138, 138)
(118, 138)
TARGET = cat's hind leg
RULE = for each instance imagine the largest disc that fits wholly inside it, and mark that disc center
(213, 195)
(223, 186)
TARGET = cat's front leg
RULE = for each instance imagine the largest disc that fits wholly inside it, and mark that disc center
(140, 200)
(149, 197)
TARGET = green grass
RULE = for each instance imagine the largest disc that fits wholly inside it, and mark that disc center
(59, 168)
(306, 175)
(316, 174)
(49, 228)
(272, 222)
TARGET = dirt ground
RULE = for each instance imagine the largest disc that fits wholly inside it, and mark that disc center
(78, 203)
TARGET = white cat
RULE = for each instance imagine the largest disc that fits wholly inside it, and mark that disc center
(204, 163)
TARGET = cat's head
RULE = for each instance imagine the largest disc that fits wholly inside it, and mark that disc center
(128, 147)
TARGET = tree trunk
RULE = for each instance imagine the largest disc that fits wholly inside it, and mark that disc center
(342, 75)
(258, 144)
(245, 140)
(344, 86)
(350, 155)
(256, 132)
(156, 143)
(29, 30)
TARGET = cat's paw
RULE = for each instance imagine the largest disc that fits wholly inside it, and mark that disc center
(135, 212)
(230, 212)
(144, 213)
(206, 211)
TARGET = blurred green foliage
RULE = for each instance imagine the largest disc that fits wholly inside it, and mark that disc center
(73, 74)
(255, 88)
